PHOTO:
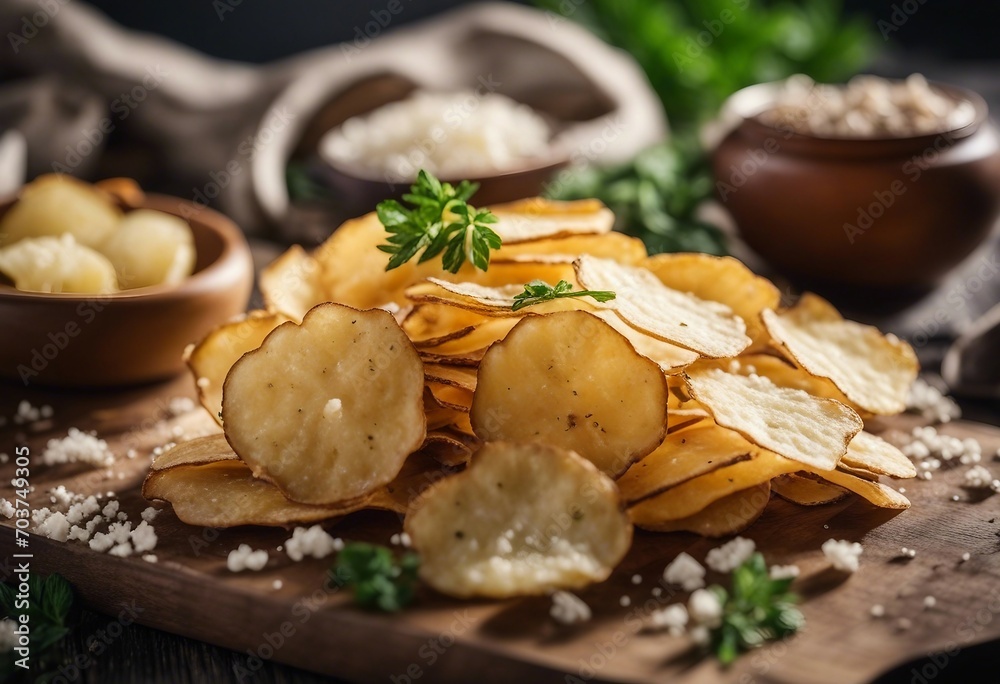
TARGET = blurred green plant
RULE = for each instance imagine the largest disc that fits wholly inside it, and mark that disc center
(695, 54)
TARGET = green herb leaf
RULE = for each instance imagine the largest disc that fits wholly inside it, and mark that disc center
(439, 222)
(49, 603)
(379, 581)
(538, 291)
(757, 609)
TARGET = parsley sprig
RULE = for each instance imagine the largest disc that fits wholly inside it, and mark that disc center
(439, 220)
(48, 607)
(756, 610)
(538, 291)
(379, 581)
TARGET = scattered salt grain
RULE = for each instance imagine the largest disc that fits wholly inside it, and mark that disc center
(245, 558)
(842, 554)
(686, 572)
(730, 555)
(705, 608)
(312, 541)
(568, 608)
(78, 447)
(673, 618)
(878, 610)
(624, 601)
(780, 572)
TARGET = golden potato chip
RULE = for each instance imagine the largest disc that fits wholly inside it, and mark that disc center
(709, 328)
(696, 494)
(451, 397)
(778, 370)
(449, 447)
(686, 418)
(211, 359)
(683, 456)
(729, 515)
(471, 359)
(428, 325)
(790, 422)
(874, 371)
(869, 452)
(57, 265)
(613, 245)
(806, 491)
(291, 284)
(476, 341)
(669, 357)
(719, 279)
(570, 380)
(875, 492)
(207, 485)
(522, 519)
(487, 301)
(55, 205)
(456, 376)
(327, 410)
(537, 218)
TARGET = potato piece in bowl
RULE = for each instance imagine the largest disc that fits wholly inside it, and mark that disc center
(57, 264)
(56, 204)
(150, 247)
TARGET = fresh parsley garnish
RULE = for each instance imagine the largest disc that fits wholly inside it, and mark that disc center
(48, 607)
(538, 291)
(439, 220)
(756, 610)
(379, 581)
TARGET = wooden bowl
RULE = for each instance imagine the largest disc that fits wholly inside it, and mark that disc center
(134, 336)
(889, 213)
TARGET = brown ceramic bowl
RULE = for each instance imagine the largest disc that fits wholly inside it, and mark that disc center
(877, 212)
(134, 336)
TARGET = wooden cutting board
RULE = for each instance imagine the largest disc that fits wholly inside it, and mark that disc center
(189, 591)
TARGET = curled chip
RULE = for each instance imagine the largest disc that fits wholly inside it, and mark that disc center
(790, 422)
(669, 357)
(495, 301)
(719, 279)
(537, 218)
(875, 455)
(683, 456)
(570, 380)
(709, 328)
(291, 284)
(696, 494)
(874, 371)
(211, 359)
(327, 410)
(523, 519)
(614, 245)
(875, 492)
(208, 485)
(455, 376)
(805, 490)
(729, 515)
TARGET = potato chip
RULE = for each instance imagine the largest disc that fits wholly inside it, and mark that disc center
(523, 519)
(869, 452)
(476, 341)
(57, 265)
(211, 359)
(669, 357)
(487, 301)
(150, 248)
(806, 491)
(570, 380)
(729, 515)
(875, 492)
(613, 245)
(681, 457)
(790, 422)
(686, 418)
(874, 371)
(207, 485)
(709, 328)
(696, 494)
(471, 359)
(720, 279)
(327, 410)
(428, 325)
(456, 376)
(537, 218)
(451, 397)
(291, 284)
(55, 205)
(448, 447)
(778, 370)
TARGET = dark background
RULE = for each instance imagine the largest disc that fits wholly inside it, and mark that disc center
(260, 31)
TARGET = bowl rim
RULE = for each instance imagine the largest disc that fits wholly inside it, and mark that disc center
(235, 254)
(761, 94)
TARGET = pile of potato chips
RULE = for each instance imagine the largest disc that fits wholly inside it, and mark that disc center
(523, 445)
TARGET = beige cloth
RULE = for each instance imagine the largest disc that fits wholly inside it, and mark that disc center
(222, 132)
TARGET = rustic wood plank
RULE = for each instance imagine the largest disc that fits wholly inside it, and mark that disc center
(189, 592)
